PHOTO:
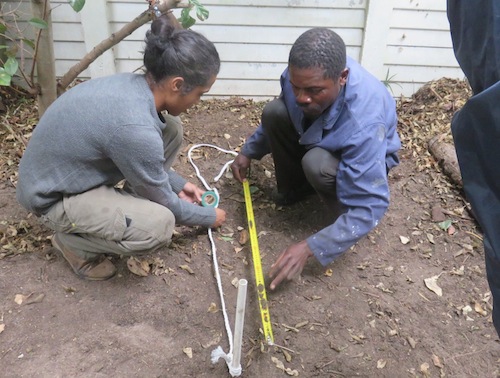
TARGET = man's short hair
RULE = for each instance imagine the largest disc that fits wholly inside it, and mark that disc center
(319, 48)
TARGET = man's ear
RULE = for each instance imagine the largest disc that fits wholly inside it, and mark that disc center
(343, 76)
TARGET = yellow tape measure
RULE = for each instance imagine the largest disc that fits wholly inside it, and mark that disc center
(257, 265)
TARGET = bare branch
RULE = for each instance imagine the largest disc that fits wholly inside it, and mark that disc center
(164, 6)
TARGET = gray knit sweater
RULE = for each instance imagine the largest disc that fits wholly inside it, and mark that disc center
(98, 133)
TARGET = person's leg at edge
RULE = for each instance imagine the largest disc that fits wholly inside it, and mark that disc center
(116, 222)
(286, 151)
(492, 269)
(320, 168)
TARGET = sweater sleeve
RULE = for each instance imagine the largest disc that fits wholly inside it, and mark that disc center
(137, 150)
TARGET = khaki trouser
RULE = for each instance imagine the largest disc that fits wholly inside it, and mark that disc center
(111, 220)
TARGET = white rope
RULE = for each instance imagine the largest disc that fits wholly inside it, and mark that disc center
(218, 352)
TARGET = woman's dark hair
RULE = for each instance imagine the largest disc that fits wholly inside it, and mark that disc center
(322, 48)
(179, 52)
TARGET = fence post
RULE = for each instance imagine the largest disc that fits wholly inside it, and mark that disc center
(374, 45)
(95, 23)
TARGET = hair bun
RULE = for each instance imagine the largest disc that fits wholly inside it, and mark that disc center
(162, 27)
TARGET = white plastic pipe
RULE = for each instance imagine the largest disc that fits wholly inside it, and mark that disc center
(235, 368)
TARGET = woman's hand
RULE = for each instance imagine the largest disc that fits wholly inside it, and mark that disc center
(191, 193)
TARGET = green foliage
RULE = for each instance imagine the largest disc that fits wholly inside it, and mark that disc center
(8, 71)
(19, 43)
(388, 82)
(187, 20)
(77, 5)
(38, 23)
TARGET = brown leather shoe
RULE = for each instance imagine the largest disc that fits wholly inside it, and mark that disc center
(96, 269)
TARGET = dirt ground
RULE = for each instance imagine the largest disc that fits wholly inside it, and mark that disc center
(409, 300)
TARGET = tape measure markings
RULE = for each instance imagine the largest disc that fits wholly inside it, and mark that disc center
(259, 277)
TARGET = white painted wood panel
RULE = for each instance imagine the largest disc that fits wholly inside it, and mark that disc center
(408, 38)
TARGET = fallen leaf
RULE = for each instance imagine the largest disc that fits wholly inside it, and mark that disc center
(432, 285)
(188, 351)
(479, 309)
(212, 308)
(2, 327)
(328, 272)
(243, 237)
(430, 237)
(19, 298)
(436, 361)
(404, 239)
(445, 225)
(187, 268)
(34, 298)
(281, 366)
(424, 369)
(381, 364)
(412, 342)
(138, 267)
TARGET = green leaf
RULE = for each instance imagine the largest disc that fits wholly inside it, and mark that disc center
(38, 23)
(226, 238)
(202, 13)
(186, 20)
(5, 78)
(253, 189)
(11, 66)
(29, 42)
(445, 225)
(77, 5)
(3, 28)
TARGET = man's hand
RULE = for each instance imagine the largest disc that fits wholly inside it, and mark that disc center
(191, 193)
(240, 167)
(290, 263)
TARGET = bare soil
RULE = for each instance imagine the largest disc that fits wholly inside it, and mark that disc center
(374, 312)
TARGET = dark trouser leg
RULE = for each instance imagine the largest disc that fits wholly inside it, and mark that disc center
(286, 150)
(492, 272)
(320, 168)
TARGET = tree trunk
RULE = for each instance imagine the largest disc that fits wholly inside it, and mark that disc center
(446, 156)
(44, 57)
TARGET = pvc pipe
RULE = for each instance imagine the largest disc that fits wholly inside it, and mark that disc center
(235, 368)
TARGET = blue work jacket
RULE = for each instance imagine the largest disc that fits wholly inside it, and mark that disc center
(360, 128)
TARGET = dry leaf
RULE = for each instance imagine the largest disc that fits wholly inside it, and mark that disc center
(281, 366)
(34, 298)
(138, 267)
(437, 362)
(19, 298)
(243, 237)
(412, 342)
(404, 239)
(328, 272)
(424, 369)
(188, 351)
(430, 237)
(479, 309)
(187, 268)
(212, 308)
(2, 327)
(432, 285)
(381, 364)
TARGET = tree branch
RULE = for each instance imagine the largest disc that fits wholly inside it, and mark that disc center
(164, 6)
